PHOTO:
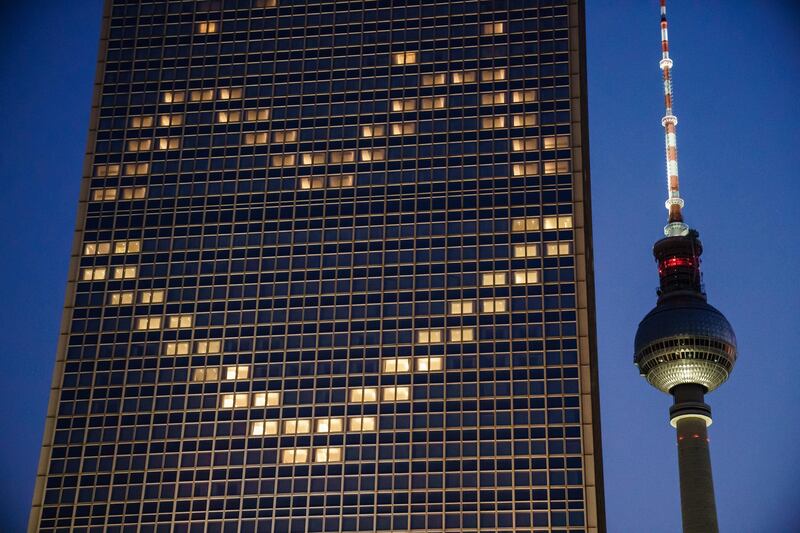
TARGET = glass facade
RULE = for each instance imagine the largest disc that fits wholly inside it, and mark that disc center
(332, 272)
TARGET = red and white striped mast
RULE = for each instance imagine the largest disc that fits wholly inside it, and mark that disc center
(674, 203)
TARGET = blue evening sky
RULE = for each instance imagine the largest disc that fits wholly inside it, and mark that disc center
(737, 80)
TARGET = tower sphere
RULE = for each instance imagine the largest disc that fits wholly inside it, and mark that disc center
(685, 340)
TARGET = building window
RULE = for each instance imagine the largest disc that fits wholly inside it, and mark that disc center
(364, 394)
(524, 145)
(148, 323)
(436, 102)
(141, 122)
(461, 307)
(495, 74)
(102, 171)
(133, 193)
(409, 104)
(493, 28)
(494, 305)
(266, 399)
(551, 142)
(265, 427)
(461, 334)
(373, 130)
(525, 224)
(395, 394)
(230, 93)
(345, 180)
(171, 143)
(523, 96)
(139, 145)
(313, 182)
(429, 336)
(329, 425)
(283, 160)
(404, 128)
(526, 250)
(97, 248)
(558, 248)
(151, 297)
(493, 98)
(493, 279)
(288, 136)
(559, 222)
(317, 158)
(524, 277)
(127, 247)
(205, 347)
(429, 364)
(525, 169)
(176, 348)
(201, 95)
(207, 27)
(239, 399)
(362, 423)
(136, 169)
(342, 156)
(106, 194)
(556, 167)
(173, 97)
(296, 427)
(253, 115)
(327, 454)
(124, 272)
(260, 137)
(170, 120)
(223, 117)
(467, 76)
(526, 119)
(237, 372)
(396, 365)
(120, 298)
(488, 123)
(94, 274)
(180, 321)
(373, 154)
(434, 79)
(404, 58)
(205, 374)
(294, 456)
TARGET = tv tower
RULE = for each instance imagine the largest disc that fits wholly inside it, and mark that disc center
(684, 346)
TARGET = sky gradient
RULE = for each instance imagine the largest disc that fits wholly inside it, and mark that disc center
(736, 80)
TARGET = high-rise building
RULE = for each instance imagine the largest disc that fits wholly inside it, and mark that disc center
(332, 272)
(684, 346)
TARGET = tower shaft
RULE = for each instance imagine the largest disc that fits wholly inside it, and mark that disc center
(698, 506)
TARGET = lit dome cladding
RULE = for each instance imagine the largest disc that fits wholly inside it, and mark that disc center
(685, 340)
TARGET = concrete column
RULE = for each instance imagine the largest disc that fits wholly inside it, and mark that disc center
(698, 507)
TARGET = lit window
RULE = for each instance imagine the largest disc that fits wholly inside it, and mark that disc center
(464, 77)
(345, 180)
(256, 138)
(148, 322)
(106, 170)
(172, 143)
(180, 321)
(252, 115)
(342, 156)
(296, 427)
(404, 105)
(361, 423)
(373, 154)
(525, 169)
(120, 298)
(555, 141)
(526, 119)
(461, 307)
(96, 248)
(288, 136)
(151, 297)
(204, 347)
(495, 74)
(125, 247)
(266, 427)
(493, 98)
(94, 274)
(492, 279)
(396, 365)
(176, 348)
(237, 372)
(170, 120)
(564, 221)
(230, 93)
(327, 454)
(364, 394)
(558, 248)
(525, 224)
(430, 364)
(201, 95)
(136, 169)
(523, 145)
(526, 250)
(312, 183)
(437, 102)
(404, 58)
(266, 399)
(224, 117)
(283, 160)
(266, 3)
(294, 456)
(404, 128)
(206, 27)
(124, 272)
(205, 374)
(139, 145)
(556, 167)
(133, 193)
(240, 399)
(522, 277)
(429, 336)
(104, 194)
(494, 305)
(141, 122)
(493, 122)
(434, 79)
(523, 96)
(317, 158)
(330, 425)
(173, 97)
(374, 130)
(461, 334)
(395, 394)
(493, 28)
